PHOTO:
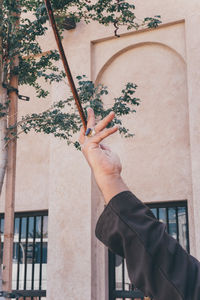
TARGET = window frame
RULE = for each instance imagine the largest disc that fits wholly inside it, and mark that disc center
(33, 292)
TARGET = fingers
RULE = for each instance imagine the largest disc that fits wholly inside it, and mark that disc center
(91, 118)
(103, 123)
(103, 134)
(100, 128)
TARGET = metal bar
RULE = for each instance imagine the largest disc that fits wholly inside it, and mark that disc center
(157, 209)
(26, 246)
(18, 260)
(167, 216)
(177, 225)
(123, 275)
(25, 98)
(1, 240)
(165, 204)
(15, 248)
(187, 229)
(111, 272)
(65, 63)
(33, 254)
(128, 294)
(36, 213)
(41, 254)
(29, 293)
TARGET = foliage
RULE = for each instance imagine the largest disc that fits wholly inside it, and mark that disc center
(64, 123)
(22, 42)
(105, 12)
(4, 109)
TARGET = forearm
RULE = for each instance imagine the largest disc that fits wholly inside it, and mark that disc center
(110, 185)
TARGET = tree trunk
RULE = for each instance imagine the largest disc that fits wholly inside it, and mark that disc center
(3, 99)
(11, 167)
(3, 158)
(10, 192)
(3, 148)
(3, 126)
(3, 120)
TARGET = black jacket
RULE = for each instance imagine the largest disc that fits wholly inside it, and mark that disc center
(156, 263)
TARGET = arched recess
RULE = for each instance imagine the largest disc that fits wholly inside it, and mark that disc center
(131, 47)
(156, 162)
(161, 120)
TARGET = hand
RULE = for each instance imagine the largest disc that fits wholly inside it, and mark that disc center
(100, 158)
(105, 164)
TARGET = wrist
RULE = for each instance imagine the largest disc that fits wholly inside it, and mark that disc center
(110, 185)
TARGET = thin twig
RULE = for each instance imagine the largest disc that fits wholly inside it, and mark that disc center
(12, 138)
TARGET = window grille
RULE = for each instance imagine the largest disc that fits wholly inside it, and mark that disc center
(29, 254)
(175, 216)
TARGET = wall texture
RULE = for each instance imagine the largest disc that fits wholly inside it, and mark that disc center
(162, 161)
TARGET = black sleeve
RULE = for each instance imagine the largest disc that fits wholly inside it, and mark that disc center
(156, 263)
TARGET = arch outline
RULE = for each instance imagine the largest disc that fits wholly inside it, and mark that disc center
(126, 49)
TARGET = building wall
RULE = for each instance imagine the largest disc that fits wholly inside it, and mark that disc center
(162, 161)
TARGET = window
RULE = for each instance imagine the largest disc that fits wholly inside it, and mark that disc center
(175, 215)
(29, 254)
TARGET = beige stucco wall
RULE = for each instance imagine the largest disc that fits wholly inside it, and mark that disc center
(162, 161)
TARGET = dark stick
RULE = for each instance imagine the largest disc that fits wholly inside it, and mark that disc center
(65, 63)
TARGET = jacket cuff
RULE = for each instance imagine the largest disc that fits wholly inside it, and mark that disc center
(120, 204)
